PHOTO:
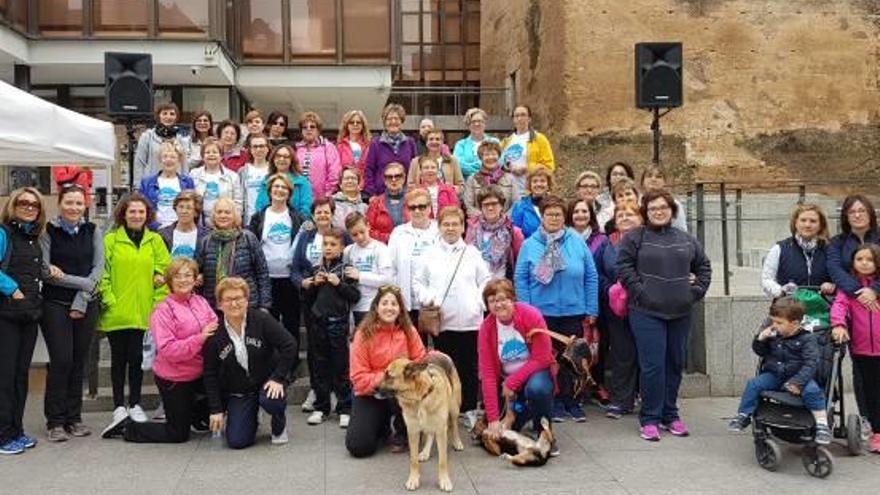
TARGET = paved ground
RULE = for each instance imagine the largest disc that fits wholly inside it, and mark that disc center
(599, 457)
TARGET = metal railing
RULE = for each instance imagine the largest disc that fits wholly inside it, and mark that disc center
(451, 100)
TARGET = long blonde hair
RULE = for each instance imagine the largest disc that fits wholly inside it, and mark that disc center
(8, 214)
(343, 125)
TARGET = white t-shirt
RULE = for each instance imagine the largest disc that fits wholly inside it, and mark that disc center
(512, 349)
(168, 190)
(356, 151)
(277, 230)
(373, 261)
(183, 244)
(424, 240)
(516, 152)
(253, 182)
(433, 191)
(212, 192)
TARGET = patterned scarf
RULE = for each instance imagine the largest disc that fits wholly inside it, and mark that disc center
(225, 253)
(393, 140)
(496, 249)
(551, 261)
(807, 246)
(490, 177)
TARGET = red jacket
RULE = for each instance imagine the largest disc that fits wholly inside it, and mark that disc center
(379, 219)
(446, 196)
(236, 159)
(346, 157)
(525, 318)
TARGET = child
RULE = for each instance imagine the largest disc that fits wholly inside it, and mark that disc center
(791, 357)
(329, 294)
(864, 340)
(367, 261)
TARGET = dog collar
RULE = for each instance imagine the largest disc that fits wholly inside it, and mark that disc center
(430, 389)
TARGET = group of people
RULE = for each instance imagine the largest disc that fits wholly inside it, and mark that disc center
(232, 242)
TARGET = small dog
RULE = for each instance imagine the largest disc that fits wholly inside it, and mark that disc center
(575, 355)
(429, 394)
(512, 446)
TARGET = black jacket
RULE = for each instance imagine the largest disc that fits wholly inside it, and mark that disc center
(167, 234)
(795, 359)
(327, 300)
(259, 219)
(272, 352)
(248, 262)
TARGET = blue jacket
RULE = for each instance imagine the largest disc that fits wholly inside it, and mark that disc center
(150, 187)
(466, 153)
(794, 359)
(840, 256)
(573, 291)
(795, 266)
(301, 200)
(606, 265)
(525, 217)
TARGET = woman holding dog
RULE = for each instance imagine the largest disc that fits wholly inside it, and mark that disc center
(385, 334)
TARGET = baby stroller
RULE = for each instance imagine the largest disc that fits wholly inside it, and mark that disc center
(782, 416)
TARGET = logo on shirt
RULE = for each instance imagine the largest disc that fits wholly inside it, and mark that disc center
(166, 196)
(184, 251)
(365, 264)
(279, 234)
(212, 190)
(253, 342)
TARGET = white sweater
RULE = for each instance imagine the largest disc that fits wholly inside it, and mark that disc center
(408, 245)
(373, 263)
(463, 308)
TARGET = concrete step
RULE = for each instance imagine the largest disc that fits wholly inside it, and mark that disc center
(695, 385)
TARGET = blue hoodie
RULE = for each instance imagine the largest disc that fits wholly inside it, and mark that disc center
(573, 291)
(301, 200)
(466, 153)
(525, 217)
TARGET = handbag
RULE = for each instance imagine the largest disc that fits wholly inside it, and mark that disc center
(430, 317)
(618, 299)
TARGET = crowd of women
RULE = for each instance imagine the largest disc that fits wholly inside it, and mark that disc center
(382, 245)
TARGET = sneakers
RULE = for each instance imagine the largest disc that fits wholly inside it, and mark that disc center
(399, 443)
(316, 418)
(281, 438)
(558, 413)
(117, 426)
(159, 413)
(200, 426)
(616, 412)
(308, 405)
(344, 419)
(866, 429)
(576, 413)
(739, 423)
(554, 449)
(676, 428)
(650, 433)
(601, 397)
(26, 441)
(12, 447)
(874, 444)
(137, 414)
(823, 434)
(57, 434)
(78, 430)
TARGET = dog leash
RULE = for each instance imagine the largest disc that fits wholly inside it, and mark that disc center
(565, 339)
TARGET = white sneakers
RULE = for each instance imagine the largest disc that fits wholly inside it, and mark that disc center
(316, 418)
(280, 439)
(308, 405)
(136, 413)
(344, 420)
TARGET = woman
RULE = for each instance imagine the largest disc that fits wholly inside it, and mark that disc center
(587, 187)
(388, 209)
(161, 188)
(234, 156)
(282, 160)
(408, 244)
(253, 125)
(799, 260)
(618, 335)
(21, 272)
(74, 249)
(277, 226)
(511, 359)
(454, 281)
(442, 194)
(494, 235)
(489, 174)
(277, 123)
(556, 274)
(525, 212)
(184, 236)
(392, 146)
(448, 170)
(623, 191)
(421, 137)
(202, 128)
(654, 264)
(386, 333)
(526, 149)
(654, 177)
(214, 181)
(354, 140)
(253, 175)
(317, 157)
(147, 157)
(247, 364)
(135, 259)
(466, 148)
(230, 251)
(616, 172)
(180, 325)
(349, 198)
(582, 218)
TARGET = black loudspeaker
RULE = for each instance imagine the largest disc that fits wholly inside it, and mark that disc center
(658, 75)
(128, 79)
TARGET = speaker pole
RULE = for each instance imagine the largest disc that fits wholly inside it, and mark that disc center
(129, 131)
(655, 126)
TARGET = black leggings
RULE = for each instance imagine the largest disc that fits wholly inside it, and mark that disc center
(462, 348)
(185, 404)
(869, 369)
(18, 335)
(371, 421)
(126, 355)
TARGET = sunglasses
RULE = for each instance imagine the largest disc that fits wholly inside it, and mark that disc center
(394, 176)
(28, 205)
(419, 206)
(281, 123)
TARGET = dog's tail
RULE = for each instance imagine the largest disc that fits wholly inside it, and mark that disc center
(442, 361)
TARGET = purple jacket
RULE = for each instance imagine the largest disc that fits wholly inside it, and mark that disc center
(378, 156)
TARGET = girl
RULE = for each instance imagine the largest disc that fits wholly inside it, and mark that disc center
(253, 174)
(213, 180)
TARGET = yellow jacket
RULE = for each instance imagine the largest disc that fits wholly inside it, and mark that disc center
(538, 151)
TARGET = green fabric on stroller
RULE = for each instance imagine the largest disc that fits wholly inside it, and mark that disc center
(818, 309)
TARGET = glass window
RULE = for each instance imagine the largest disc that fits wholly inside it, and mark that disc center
(183, 19)
(410, 28)
(366, 29)
(19, 9)
(214, 100)
(472, 57)
(120, 17)
(430, 28)
(409, 63)
(472, 26)
(261, 30)
(453, 57)
(313, 28)
(452, 33)
(61, 17)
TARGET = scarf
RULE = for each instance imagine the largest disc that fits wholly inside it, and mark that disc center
(165, 131)
(225, 252)
(490, 177)
(393, 140)
(807, 246)
(70, 228)
(136, 236)
(551, 261)
(496, 249)
(395, 211)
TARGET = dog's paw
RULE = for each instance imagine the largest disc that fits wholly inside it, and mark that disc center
(412, 483)
(424, 455)
(457, 445)
(445, 484)
(505, 457)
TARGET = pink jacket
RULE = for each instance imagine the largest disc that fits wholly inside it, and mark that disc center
(346, 157)
(863, 325)
(525, 318)
(176, 327)
(369, 358)
(324, 169)
(446, 196)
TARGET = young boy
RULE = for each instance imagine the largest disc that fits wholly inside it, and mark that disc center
(368, 261)
(791, 357)
(329, 295)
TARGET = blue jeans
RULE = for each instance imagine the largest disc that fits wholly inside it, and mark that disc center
(241, 417)
(662, 349)
(538, 397)
(811, 394)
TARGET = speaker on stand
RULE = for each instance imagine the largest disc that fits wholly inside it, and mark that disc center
(128, 90)
(658, 71)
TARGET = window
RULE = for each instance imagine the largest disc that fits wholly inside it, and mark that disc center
(312, 29)
(440, 41)
(261, 30)
(121, 17)
(61, 17)
(183, 18)
(367, 29)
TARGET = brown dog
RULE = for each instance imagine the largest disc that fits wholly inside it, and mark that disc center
(519, 449)
(429, 394)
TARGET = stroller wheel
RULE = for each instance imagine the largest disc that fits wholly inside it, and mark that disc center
(854, 434)
(818, 461)
(768, 454)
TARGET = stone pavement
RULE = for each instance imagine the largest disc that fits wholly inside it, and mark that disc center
(599, 457)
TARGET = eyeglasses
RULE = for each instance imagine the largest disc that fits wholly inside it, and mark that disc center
(27, 205)
(487, 204)
(184, 276)
(588, 186)
(658, 209)
(394, 176)
(308, 126)
(478, 122)
(259, 146)
(284, 156)
(235, 301)
(553, 214)
(418, 206)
